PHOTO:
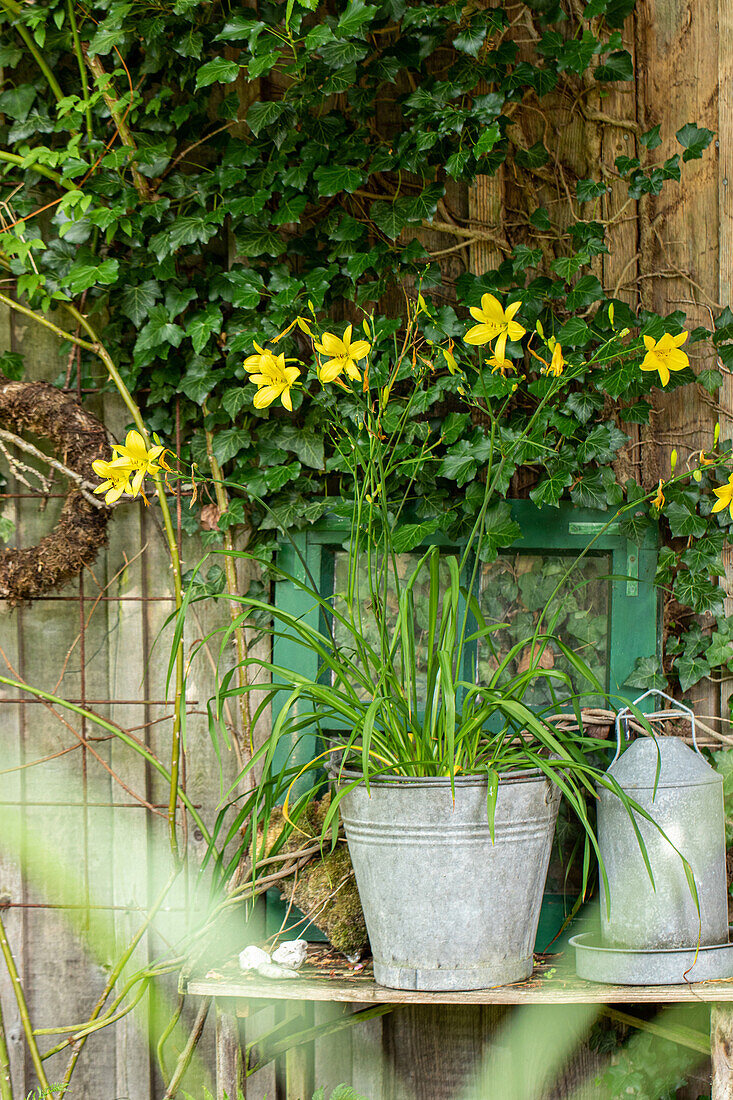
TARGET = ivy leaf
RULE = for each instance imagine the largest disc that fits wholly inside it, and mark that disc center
(17, 102)
(647, 673)
(459, 464)
(137, 300)
(263, 114)
(197, 383)
(683, 522)
(12, 365)
(651, 139)
(240, 26)
(230, 442)
(697, 591)
(534, 157)
(258, 241)
(694, 140)
(574, 333)
(391, 217)
(551, 488)
(410, 535)
(341, 53)
(217, 71)
(597, 489)
(83, 276)
(710, 379)
(587, 290)
(583, 405)
(586, 190)
(240, 286)
(191, 44)
(334, 178)
(355, 17)
(235, 398)
(690, 670)
(202, 324)
(500, 530)
(617, 66)
(634, 526)
(305, 444)
(191, 229)
(159, 331)
(471, 40)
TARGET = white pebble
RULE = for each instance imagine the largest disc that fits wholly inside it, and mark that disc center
(291, 953)
(272, 970)
(252, 958)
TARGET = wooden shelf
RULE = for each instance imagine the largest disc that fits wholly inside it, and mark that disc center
(325, 977)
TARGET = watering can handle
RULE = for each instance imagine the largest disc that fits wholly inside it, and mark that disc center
(626, 711)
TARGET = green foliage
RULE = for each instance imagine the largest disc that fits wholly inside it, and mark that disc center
(234, 204)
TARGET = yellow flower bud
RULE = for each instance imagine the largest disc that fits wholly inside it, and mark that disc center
(539, 330)
(716, 434)
(611, 312)
(624, 332)
(365, 326)
(673, 460)
(697, 475)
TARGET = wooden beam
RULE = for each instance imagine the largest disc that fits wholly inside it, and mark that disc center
(721, 1040)
(230, 1080)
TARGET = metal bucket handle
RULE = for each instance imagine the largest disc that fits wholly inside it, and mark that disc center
(625, 712)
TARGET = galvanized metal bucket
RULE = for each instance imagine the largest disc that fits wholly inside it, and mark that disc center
(445, 908)
(684, 796)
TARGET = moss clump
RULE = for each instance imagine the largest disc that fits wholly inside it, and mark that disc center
(325, 889)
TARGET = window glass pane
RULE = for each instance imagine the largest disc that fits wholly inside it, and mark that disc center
(406, 564)
(515, 588)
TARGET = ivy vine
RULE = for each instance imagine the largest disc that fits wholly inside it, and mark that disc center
(193, 175)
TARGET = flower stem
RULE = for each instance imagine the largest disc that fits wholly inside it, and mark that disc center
(82, 68)
(22, 1009)
(16, 10)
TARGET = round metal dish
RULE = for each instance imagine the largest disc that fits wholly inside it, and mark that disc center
(668, 966)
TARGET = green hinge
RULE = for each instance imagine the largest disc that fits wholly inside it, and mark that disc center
(632, 552)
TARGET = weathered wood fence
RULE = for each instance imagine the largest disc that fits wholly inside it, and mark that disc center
(91, 641)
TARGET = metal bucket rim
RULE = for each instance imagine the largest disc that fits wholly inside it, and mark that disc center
(588, 941)
(477, 780)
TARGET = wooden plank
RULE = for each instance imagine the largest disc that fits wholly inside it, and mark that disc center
(545, 991)
(298, 1060)
(725, 245)
(230, 1080)
(367, 1059)
(11, 876)
(677, 82)
(333, 1055)
(721, 1040)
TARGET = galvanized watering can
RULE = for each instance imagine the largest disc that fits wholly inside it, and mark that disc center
(684, 796)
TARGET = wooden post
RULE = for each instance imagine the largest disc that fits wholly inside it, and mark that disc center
(721, 1042)
(231, 1083)
(725, 233)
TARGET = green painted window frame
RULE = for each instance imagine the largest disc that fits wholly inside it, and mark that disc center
(634, 611)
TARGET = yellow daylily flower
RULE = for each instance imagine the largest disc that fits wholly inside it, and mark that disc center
(724, 493)
(254, 363)
(275, 379)
(502, 366)
(141, 459)
(664, 355)
(116, 478)
(495, 323)
(343, 355)
(557, 363)
(658, 501)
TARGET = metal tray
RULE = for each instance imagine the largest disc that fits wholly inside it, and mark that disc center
(669, 966)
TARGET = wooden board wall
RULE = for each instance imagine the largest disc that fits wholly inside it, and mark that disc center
(674, 252)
